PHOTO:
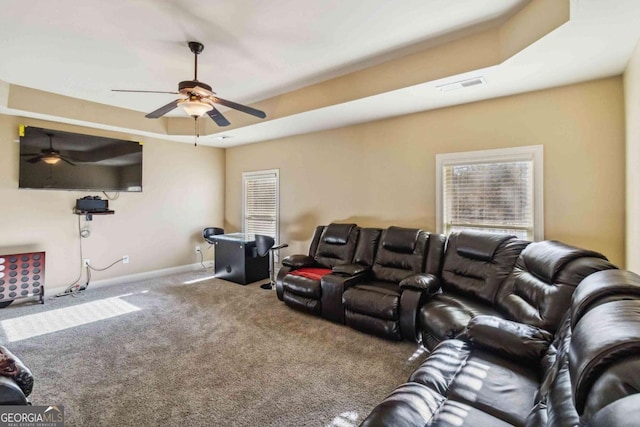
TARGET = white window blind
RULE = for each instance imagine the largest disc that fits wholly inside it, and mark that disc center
(260, 213)
(493, 190)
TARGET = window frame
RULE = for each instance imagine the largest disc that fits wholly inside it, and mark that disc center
(534, 153)
(247, 176)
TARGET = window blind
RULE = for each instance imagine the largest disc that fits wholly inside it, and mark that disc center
(495, 196)
(261, 203)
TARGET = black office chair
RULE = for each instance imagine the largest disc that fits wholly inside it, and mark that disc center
(264, 247)
(208, 232)
(207, 235)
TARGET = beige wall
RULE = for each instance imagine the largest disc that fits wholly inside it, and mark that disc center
(632, 104)
(383, 173)
(183, 191)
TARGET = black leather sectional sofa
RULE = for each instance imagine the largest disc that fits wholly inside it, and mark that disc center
(514, 340)
(504, 373)
(16, 380)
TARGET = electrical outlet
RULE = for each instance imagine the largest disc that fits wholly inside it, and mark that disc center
(125, 259)
(86, 262)
(197, 249)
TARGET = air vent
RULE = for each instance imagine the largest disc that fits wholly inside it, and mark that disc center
(462, 84)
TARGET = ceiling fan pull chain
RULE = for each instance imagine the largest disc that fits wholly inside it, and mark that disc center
(196, 131)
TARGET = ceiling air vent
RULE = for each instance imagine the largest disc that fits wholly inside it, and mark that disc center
(462, 84)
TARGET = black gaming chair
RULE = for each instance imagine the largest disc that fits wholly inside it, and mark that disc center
(208, 232)
(264, 247)
(207, 235)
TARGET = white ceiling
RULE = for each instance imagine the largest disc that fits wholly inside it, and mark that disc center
(256, 49)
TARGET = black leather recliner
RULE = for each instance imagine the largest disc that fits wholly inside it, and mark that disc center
(475, 265)
(375, 302)
(298, 281)
(506, 373)
(16, 380)
(492, 274)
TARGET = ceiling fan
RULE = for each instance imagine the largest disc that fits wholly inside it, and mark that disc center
(48, 155)
(198, 97)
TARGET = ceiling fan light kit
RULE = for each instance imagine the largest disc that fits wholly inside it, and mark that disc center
(195, 108)
(51, 160)
(199, 98)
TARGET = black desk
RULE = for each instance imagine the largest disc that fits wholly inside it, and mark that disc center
(236, 259)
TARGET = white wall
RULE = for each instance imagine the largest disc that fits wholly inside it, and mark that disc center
(183, 192)
(383, 173)
(632, 104)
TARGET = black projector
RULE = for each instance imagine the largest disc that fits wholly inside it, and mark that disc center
(92, 204)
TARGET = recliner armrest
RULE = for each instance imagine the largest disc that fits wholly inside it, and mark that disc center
(333, 286)
(298, 261)
(516, 341)
(350, 269)
(422, 282)
(14, 369)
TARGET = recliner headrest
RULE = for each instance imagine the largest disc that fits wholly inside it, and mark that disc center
(479, 245)
(602, 287)
(605, 336)
(337, 234)
(545, 259)
(399, 239)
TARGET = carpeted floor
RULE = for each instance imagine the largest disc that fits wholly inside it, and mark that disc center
(203, 354)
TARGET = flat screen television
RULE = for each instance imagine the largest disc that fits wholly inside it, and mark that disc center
(56, 160)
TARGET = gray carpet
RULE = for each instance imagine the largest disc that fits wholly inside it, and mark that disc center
(206, 354)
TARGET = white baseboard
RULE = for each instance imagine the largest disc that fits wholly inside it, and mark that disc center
(131, 277)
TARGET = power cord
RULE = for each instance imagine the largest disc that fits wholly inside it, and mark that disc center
(75, 286)
(69, 288)
(202, 259)
(107, 267)
(114, 197)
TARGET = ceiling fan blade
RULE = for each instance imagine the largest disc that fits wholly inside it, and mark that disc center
(34, 159)
(25, 154)
(239, 107)
(163, 110)
(144, 91)
(217, 117)
(67, 160)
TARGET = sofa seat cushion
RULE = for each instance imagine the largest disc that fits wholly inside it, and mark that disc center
(415, 405)
(460, 386)
(377, 299)
(446, 315)
(497, 386)
(441, 367)
(305, 282)
(411, 404)
(500, 387)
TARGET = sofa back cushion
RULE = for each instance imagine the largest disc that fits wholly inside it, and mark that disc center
(538, 291)
(579, 346)
(603, 359)
(336, 245)
(401, 253)
(317, 234)
(367, 246)
(435, 254)
(476, 263)
(602, 287)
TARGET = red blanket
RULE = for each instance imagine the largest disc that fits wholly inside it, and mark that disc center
(311, 273)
